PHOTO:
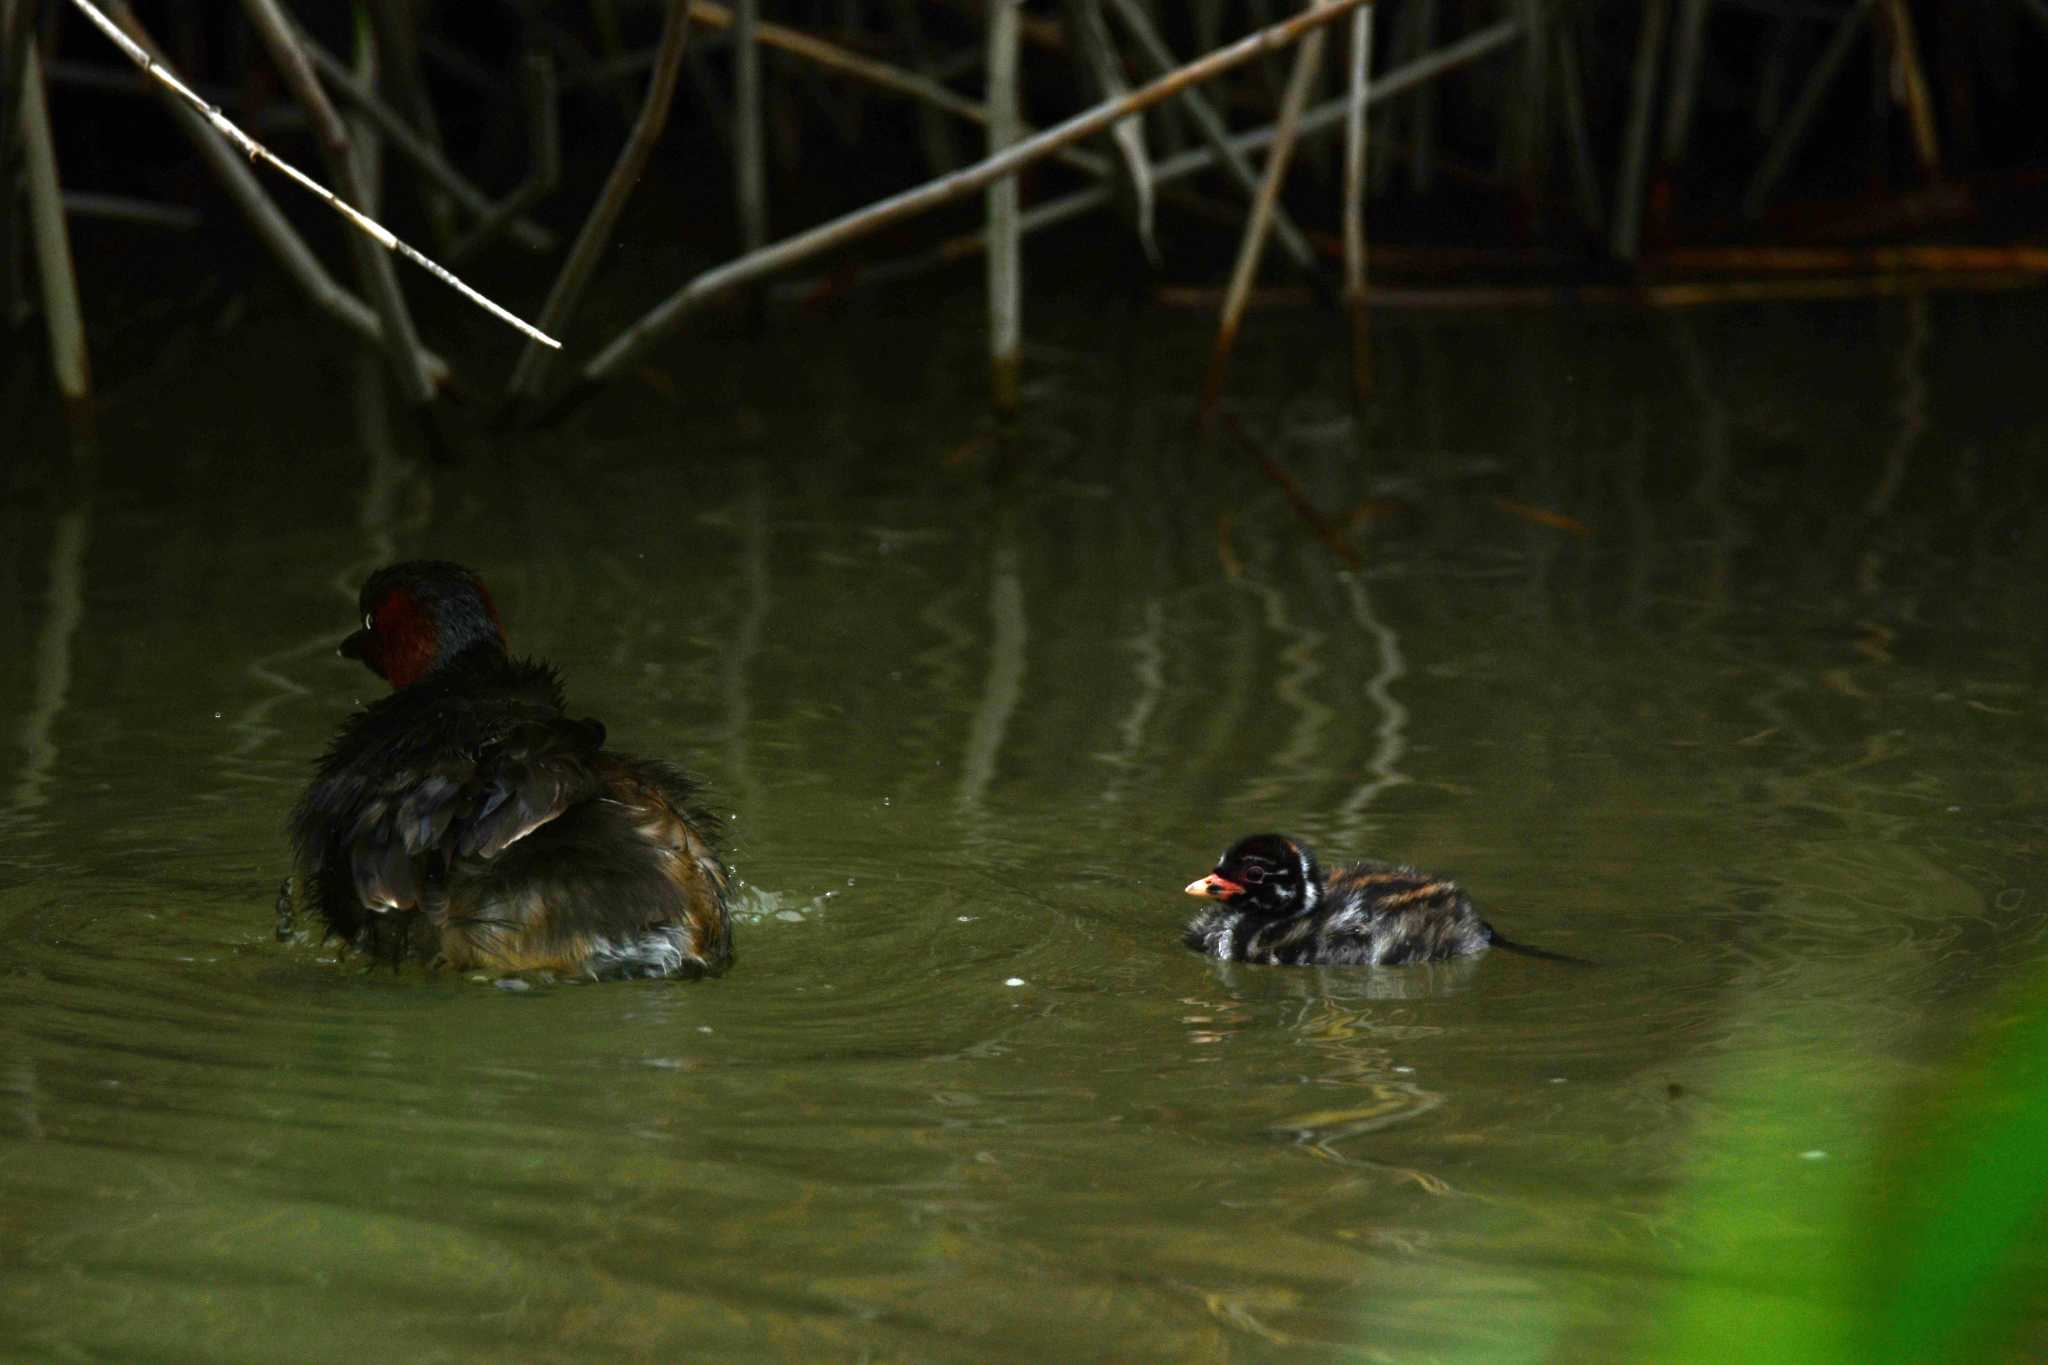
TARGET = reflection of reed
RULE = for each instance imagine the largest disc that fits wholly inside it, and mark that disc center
(742, 655)
(1390, 738)
(22, 1091)
(65, 611)
(1302, 756)
(1711, 491)
(1911, 379)
(1005, 683)
(1147, 649)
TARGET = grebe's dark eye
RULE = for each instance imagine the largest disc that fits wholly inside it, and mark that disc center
(369, 623)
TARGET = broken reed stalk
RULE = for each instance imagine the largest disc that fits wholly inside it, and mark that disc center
(530, 373)
(879, 74)
(1005, 271)
(52, 243)
(1793, 129)
(630, 344)
(401, 338)
(291, 251)
(1307, 60)
(220, 123)
(1628, 190)
(1354, 201)
(1160, 59)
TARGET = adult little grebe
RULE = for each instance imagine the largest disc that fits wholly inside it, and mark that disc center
(1276, 905)
(466, 820)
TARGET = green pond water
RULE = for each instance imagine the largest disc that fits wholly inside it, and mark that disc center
(1707, 646)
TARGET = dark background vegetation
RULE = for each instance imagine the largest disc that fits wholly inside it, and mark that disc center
(1481, 158)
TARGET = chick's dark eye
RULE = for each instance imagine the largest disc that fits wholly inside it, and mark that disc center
(1254, 874)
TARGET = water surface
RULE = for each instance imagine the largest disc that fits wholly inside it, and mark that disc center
(1705, 646)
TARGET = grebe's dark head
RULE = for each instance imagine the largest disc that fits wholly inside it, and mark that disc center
(1269, 875)
(419, 615)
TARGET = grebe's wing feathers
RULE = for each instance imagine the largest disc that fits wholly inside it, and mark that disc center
(461, 780)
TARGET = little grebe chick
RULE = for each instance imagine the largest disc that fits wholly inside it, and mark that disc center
(1275, 904)
(467, 820)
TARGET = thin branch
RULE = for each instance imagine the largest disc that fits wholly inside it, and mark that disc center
(268, 223)
(417, 149)
(251, 147)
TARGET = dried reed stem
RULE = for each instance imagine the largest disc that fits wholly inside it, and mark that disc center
(1005, 272)
(1910, 80)
(1354, 200)
(544, 136)
(879, 74)
(291, 251)
(212, 114)
(1585, 177)
(1161, 60)
(1126, 135)
(1803, 109)
(401, 339)
(15, 41)
(420, 152)
(52, 242)
(664, 317)
(1306, 62)
(530, 373)
(1197, 159)
(1688, 45)
(1628, 190)
(750, 176)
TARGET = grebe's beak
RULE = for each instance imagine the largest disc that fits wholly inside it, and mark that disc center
(352, 647)
(1215, 888)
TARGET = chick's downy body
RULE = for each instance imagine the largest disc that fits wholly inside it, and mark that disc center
(1272, 902)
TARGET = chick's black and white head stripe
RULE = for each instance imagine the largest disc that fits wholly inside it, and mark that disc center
(1264, 874)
